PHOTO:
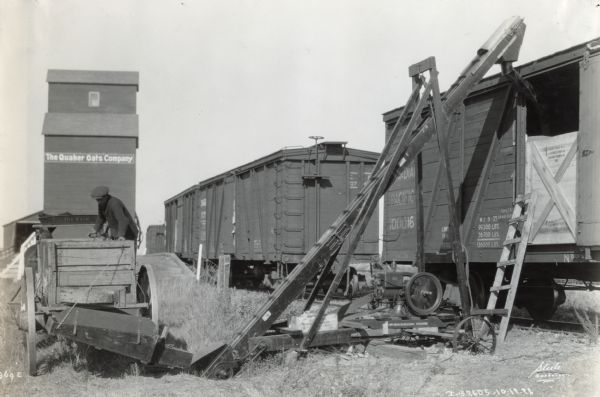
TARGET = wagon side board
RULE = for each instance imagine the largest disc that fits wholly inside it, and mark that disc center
(86, 272)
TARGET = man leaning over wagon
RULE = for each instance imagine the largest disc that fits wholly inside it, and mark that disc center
(112, 212)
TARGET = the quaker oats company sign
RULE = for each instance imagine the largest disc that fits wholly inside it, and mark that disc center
(92, 158)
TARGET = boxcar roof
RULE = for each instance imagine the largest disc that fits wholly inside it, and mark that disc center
(93, 77)
(287, 153)
(540, 65)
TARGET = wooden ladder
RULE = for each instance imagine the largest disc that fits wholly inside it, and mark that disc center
(513, 253)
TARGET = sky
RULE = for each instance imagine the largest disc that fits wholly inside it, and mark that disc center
(225, 82)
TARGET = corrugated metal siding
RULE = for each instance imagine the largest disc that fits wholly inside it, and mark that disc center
(295, 225)
(219, 215)
(255, 210)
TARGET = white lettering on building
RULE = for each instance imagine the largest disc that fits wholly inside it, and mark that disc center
(91, 158)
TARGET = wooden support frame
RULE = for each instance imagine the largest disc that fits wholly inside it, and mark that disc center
(391, 156)
(441, 123)
(224, 272)
(482, 183)
(352, 221)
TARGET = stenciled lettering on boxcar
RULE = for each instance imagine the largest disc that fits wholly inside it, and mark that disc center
(367, 176)
(492, 228)
(400, 217)
(401, 222)
(446, 238)
(353, 180)
(402, 197)
(407, 173)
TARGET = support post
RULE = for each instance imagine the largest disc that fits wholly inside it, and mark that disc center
(199, 265)
(441, 122)
(223, 272)
(414, 73)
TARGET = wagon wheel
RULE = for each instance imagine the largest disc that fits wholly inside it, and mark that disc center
(474, 334)
(147, 292)
(423, 293)
(28, 310)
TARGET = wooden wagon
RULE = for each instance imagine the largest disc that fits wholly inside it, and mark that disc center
(93, 292)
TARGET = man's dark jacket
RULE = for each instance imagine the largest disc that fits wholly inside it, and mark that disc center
(120, 222)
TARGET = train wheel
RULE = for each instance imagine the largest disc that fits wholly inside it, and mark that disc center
(147, 292)
(28, 311)
(474, 334)
(544, 300)
(423, 293)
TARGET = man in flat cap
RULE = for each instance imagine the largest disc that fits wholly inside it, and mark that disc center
(113, 213)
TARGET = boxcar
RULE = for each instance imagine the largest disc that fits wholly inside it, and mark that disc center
(155, 239)
(268, 213)
(542, 136)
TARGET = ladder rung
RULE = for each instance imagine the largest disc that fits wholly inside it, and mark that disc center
(513, 241)
(510, 262)
(489, 312)
(521, 218)
(500, 288)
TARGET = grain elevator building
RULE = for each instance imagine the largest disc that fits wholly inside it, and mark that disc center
(90, 139)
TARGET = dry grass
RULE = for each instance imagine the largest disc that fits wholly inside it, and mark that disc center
(198, 315)
(11, 346)
(583, 300)
(319, 375)
(580, 301)
(590, 325)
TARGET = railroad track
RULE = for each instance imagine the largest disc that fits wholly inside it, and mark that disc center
(564, 326)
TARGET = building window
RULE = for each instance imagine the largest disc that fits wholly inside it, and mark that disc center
(93, 99)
